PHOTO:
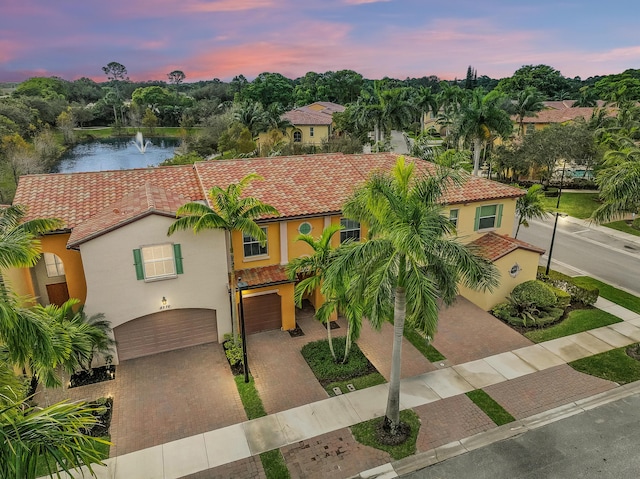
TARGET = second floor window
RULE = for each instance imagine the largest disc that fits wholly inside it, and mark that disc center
(350, 230)
(310, 131)
(252, 246)
(453, 217)
(54, 265)
(488, 216)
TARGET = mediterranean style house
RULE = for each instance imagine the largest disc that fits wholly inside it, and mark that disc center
(311, 124)
(165, 292)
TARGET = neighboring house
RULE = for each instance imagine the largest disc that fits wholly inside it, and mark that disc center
(311, 124)
(555, 112)
(162, 293)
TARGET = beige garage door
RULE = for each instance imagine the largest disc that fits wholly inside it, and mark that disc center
(262, 313)
(165, 331)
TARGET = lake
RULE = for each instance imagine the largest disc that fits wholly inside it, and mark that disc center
(115, 154)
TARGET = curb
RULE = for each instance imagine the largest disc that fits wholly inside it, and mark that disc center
(433, 456)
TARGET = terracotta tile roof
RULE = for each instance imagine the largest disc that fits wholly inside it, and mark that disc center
(75, 197)
(553, 115)
(308, 185)
(302, 116)
(264, 276)
(133, 206)
(493, 246)
(328, 106)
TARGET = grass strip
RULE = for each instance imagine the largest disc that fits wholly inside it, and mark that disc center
(422, 345)
(274, 465)
(576, 321)
(366, 433)
(615, 295)
(578, 205)
(361, 382)
(250, 398)
(614, 365)
(491, 408)
(622, 226)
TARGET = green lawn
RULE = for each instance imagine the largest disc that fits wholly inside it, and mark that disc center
(491, 408)
(578, 205)
(366, 433)
(622, 226)
(274, 465)
(420, 343)
(107, 132)
(576, 322)
(614, 365)
(622, 298)
(361, 382)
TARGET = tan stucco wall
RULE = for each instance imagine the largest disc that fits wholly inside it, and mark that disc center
(528, 262)
(111, 277)
(467, 215)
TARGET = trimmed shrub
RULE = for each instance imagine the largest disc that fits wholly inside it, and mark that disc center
(563, 298)
(504, 311)
(579, 294)
(533, 293)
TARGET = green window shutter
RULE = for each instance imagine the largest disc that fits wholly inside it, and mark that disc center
(499, 216)
(137, 262)
(476, 225)
(177, 254)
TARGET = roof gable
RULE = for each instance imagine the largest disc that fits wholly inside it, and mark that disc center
(493, 246)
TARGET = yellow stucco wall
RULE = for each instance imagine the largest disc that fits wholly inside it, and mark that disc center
(273, 249)
(300, 248)
(528, 263)
(467, 215)
(72, 261)
(19, 281)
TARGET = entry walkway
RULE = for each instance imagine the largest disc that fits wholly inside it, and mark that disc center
(239, 441)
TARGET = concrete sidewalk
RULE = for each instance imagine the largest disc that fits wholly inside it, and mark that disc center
(223, 446)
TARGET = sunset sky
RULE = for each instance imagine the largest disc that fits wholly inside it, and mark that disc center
(398, 38)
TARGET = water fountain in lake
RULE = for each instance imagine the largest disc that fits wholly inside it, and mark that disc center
(141, 145)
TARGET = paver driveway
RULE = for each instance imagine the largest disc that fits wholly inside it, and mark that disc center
(165, 397)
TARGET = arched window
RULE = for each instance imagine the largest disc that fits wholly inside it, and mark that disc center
(54, 265)
(297, 136)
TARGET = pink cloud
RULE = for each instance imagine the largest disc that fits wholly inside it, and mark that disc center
(362, 2)
(227, 5)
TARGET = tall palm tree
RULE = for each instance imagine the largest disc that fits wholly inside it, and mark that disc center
(528, 102)
(530, 206)
(250, 114)
(410, 260)
(31, 435)
(425, 101)
(229, 211)
(479, 119)
(397, 111)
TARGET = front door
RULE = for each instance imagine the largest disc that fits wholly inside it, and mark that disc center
(58, 293)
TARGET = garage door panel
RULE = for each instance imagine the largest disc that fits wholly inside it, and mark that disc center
(165, 331)
(262, 313)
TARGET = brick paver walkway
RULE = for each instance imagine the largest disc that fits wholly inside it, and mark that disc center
(466, 333)
(249, 468)
(547, 389)
(449, 420)
(336, 455)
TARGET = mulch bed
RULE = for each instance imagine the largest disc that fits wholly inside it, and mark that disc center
(296, 332)
(95, 375)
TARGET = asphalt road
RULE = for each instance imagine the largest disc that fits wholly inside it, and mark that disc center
(600, 443)
(588, 251)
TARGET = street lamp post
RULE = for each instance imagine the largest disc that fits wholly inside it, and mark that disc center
(242, 285)
(555, 223)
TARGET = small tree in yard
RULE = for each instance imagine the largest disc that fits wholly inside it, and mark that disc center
(530, 206)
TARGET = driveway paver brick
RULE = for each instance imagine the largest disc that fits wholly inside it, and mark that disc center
(249, 468)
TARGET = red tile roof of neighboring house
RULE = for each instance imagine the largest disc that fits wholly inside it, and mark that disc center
(553, 115)
(133, 206)
(75, 197)
(493, 246)
(264, 276)
(319, 184)
(306, 115)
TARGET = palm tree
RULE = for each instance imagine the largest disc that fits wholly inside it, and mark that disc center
(479, 119)
(530, 206)
(229, 211)
(619, 183)
(313, 269)
(409, 262)
(31, 435)
(250, 114)
(397, 111)
(527, 103)
(425, 101)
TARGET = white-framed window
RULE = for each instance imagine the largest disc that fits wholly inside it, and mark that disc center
(530, 128)
(252, 246)
(453, 217)
(488, 216)
(54, 265)
(350, 230)
(158, 261)
(297, 136)
(310, 131)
